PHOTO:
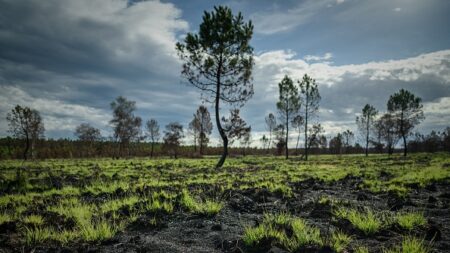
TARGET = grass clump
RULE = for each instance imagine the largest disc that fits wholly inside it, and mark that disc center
(207, 207)
(5, 217)
(35, 235)
(275, 227)
(115, 204)
(98, 231)
(72, 208)
(362, 249)
(366, 221)
(33, 219)
(339, 241)
(410, 245)
(253, 236)
(156, 205)
(410, 220)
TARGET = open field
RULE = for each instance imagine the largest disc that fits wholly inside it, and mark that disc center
(252, 204)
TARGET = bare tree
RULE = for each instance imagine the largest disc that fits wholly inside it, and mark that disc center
(246, 140)
(271, 124)
(193, 130)
(280, 137)
(172, 138)
(348, 137)
(297, 123)
(203, 127)
(26, 124)
(365, 123)
(310, 99)
(153, 133)
(288, 105)
(127, 126)
(407, 111)
(219, 61)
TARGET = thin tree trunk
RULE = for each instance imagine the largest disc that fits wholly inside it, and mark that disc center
(402, 131)
(27, 147)
(219, 126)
(404, 145)
(151, 152)
(306, 133)
(367, 137)
(287, 135)
(298, 140)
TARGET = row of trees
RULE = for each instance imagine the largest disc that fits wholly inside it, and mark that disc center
(218, 60)
(404, 112)
(298, 104)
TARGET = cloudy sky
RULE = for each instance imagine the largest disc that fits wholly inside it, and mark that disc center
(70, 58)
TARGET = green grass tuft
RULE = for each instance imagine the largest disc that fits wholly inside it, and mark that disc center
(366, 221)
(339, 241)
(410, 220)
(410, 245)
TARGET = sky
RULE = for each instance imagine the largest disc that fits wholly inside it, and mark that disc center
(69, 59)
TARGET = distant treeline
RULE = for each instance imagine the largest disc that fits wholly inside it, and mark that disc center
(11, 148)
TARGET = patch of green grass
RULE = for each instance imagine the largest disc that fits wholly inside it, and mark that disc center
(115, 204)
(339, 241)
(410, 220)
(98, 231)
(362, 249)
(156, 205)
(275, 227)
(207, 207)
(302, 234)
(410, 245)
(252, 236)
(72, 208)
(36, 235)
(366, 221)
(34, 219)
(5, 217)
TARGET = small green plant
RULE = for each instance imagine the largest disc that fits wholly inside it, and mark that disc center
(252, 236)
(362, 249)
(208, 207)
(98, 231)
(339, 241)
(5, 217)
(275, 226)
(366, 221)
(35, 235)
(410, 245)
(304, 234)
(116, 204)
(72, 208)
(33, 219)
(410, 220)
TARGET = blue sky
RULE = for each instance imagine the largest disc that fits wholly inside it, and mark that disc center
(70, 58)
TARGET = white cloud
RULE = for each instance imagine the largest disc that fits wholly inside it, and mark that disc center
(398, 9)
(57, 115)
(275, 64)
(275, 21)
(326, 56)
(346, 89)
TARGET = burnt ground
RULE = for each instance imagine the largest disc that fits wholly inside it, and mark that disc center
(185, 232)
